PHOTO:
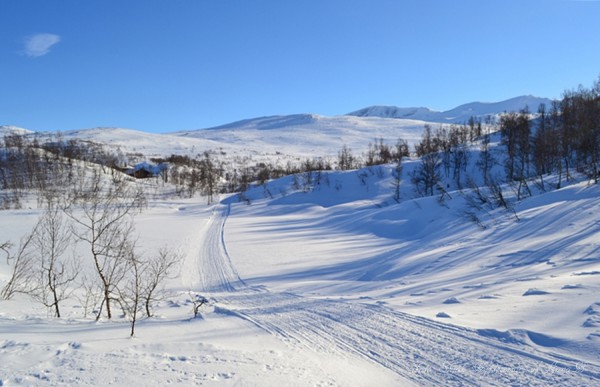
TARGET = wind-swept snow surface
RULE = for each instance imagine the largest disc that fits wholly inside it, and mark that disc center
(339, 285)
(172, 348)
(420, 350)
(324, 278)
(526, 286)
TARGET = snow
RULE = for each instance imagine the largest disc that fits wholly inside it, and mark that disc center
(8, 129)
(304, 289)
(335, 284)
(458, 115)
(295, 137)
(309, 135)
(534, 275)
(281, 138)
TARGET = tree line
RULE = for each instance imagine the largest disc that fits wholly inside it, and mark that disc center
(559, 139)
(95, 213)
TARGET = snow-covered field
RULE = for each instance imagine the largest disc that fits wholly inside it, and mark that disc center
(339, 286)
(335, 284)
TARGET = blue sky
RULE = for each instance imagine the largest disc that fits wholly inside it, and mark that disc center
(169, 65)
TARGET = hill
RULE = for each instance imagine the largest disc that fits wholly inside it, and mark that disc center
(458, 115)
(297, 136)
(320, 277)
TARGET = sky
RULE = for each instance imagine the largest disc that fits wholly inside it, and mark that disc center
(168, 65)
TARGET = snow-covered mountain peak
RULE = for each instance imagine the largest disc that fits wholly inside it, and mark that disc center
(459, 114)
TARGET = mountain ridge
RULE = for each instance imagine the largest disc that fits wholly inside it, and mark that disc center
(293, 136)
(457, 115)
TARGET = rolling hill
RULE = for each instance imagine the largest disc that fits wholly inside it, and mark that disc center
(328, 278)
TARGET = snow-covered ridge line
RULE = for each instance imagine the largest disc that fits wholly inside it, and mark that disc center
(286, 138)
(457, 115)
(299, 136)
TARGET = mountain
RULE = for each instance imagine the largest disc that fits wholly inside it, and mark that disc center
(302, 135)
(297, 136)
(305, 135)
(8, 130)
(285, 138)
(458, 115)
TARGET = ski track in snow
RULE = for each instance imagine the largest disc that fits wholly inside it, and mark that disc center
(422, 351)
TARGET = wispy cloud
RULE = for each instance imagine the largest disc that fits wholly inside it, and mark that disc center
(40, 44)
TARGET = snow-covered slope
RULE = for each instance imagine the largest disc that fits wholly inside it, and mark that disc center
(297, 136)
(147, 144)
(329, 280)
(306, 135)
(339, 285)
(460, 114)
(528, 277)
(7, 130)
(265, 139)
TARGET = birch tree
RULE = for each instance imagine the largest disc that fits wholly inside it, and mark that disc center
(103, 218)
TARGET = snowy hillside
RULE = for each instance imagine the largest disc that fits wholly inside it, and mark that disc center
(323, 277)
(348, 239)
(458, 115)
(8, 130)
(308, 135)
(338, 285)
(264, 139)
(298, 136)
(148, 144)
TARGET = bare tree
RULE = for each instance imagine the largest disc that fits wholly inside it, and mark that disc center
(460, 160)
(509, 123)
(515, 129)
(427, 176)
(142, 284)
(498, 194)
(197, 302)
(379, 153)
(157, 269)
(397, 173)
(209, 177)
(371, 156)
(104, 221)
(346, 160)
(402, 149)
(21, 279)
(385, 153)
(556, 140)
(5, 247)
(130, 294)
(91, 294)
(486, 160)
(52, 239)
